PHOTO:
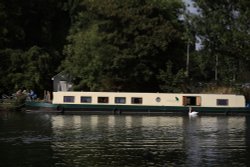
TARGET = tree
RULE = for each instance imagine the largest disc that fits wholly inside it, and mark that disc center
(30, 69)
(123, 45)
(32, 35)
(172, 82)
(223, 27)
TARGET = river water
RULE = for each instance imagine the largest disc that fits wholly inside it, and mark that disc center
(45, 140)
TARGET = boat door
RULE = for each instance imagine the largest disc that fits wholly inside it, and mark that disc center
(191, 100)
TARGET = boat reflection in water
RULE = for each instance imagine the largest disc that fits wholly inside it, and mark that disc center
(123, 140)
(108, 140)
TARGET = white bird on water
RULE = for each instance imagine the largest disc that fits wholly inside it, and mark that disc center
(192, 113)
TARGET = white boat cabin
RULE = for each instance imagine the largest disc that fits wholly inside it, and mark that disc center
(149, 99)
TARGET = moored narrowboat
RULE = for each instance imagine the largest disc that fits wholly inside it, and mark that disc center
(122, 102)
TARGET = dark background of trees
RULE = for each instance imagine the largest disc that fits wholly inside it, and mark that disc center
(130, 45)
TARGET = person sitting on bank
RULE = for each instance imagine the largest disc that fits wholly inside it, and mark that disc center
(19, 92)
(32, 95)
(24, 91)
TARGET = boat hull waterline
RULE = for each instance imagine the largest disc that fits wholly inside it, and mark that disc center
(123, 109)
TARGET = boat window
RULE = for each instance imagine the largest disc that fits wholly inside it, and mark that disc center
(158, 99)
(70, 99)
(120, 100)
(103, 99)
(86, 99)
(222, 102)
(136, 100)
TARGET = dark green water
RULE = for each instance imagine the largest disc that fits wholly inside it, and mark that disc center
(42, 140)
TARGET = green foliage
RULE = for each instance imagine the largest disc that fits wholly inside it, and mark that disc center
(223, 27)
(130, 45)
(26, 69)
(32, 35)
(125, 44)
(171, 82)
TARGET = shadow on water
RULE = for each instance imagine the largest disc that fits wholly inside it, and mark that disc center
(25, 140)
(119, 140)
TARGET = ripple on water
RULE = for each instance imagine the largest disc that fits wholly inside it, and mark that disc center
(65, 140)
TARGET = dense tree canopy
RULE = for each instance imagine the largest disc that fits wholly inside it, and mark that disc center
(32, 35)
(130, 45)
(123, 45)
(224, 29)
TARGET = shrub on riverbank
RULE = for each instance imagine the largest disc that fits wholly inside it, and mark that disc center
(236, 89)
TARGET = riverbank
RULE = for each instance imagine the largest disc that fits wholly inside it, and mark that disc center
(209, 88)
(13, 104)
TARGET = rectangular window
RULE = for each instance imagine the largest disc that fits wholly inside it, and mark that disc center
(69, 99)
(121, 100)
(222, 102)
(136, 100)
(86, 99)
(103, 100)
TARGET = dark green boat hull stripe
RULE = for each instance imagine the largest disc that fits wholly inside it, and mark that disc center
(98, 107)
